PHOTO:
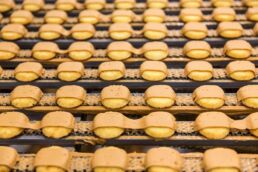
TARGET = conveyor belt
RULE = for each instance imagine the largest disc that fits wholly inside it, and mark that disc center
(170, 24)
(175, 34)
(92, 105)
(193, 162)
(175, 58)
(185, 136)
(132, 79)
(141, 6)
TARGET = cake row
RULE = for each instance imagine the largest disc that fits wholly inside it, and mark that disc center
(149, 70)
(123, 31)
(221, 14)
(69, 5)
(118, 96)
(121, 50)
(113, 159)
(109, 125)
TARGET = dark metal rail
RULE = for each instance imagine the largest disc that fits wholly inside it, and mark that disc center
(132, 84)
(103, 43)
